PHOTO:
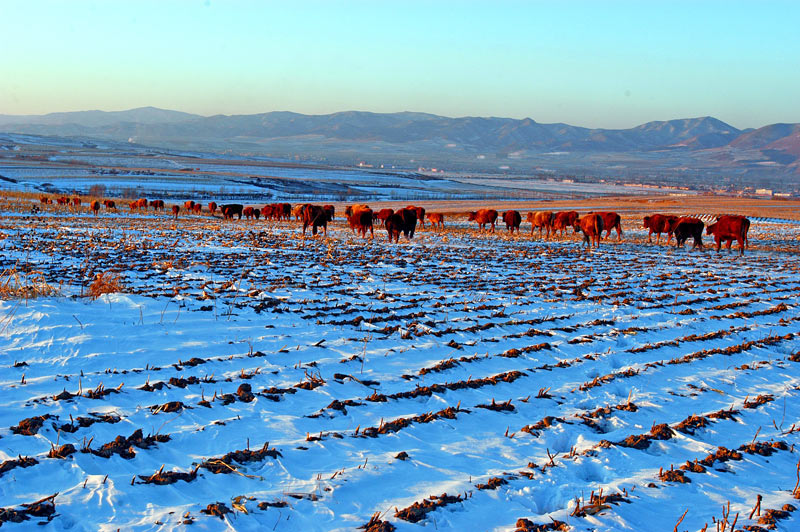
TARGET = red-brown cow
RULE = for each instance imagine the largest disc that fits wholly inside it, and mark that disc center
(660, 223)
(542, 220)
(420, 211)
(266, 211)
(94, 206)
(134, 205)
(188, 206)
(248, 213)
(297, 211)
(382, 215)
(315, 216)
(728, 228)
(175, 211)
(197, 209)
(564, 219)
(141, 204)
(76, 202)
(157, 205)
(63, 201)
(687, 227)
(483, 217)
(212, 207)
(591, 225)
(110, 204)
(360, 219)
(512, 220)
(436, 219)
(44, 200)
(612, 220)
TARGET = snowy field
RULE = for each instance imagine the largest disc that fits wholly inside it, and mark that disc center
(67, 166)
(459, 381)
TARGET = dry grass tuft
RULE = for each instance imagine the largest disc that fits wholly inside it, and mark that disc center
(21, 285)
(104, 283)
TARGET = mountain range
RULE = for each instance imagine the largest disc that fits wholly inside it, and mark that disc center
(703, 144)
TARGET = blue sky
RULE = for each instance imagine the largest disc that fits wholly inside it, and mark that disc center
(589, 63)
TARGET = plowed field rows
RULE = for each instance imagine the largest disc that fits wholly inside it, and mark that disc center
(244, 376)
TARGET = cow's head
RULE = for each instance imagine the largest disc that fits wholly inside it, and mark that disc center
(472, 216)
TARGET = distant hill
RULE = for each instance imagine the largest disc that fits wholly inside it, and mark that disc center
(680, 147)
(142, 115)
(396, 128)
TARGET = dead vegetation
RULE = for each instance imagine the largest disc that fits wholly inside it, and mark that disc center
(25, 285)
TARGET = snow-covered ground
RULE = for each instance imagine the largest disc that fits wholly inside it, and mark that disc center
(513, 374)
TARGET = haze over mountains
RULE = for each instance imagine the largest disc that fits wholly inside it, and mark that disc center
(692, 147)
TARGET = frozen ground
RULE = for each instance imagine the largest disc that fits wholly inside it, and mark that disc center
(513, 374)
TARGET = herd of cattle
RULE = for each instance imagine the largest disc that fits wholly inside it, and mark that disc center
(362, 219)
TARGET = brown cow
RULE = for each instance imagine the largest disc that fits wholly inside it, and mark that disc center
(230, 209)
(76, 202)
(297, 211)
(360, 219)
(315, 216)
(198, 208)
(141, 203)
(591, 225)
(660, 223)
(157, 205)
(483, 217)
(95, 207)
(188, 205)
(266, 211)
(728, 228)
(63, 201)
(175, 211)
(686, 227)
(404, 220)
(612, 220)
(133, 205)
(542, 220)
(420, 211)
(382, 215)
(286, 211)
(44, 200)
(564, 219)
(248, 212)
(110, 204)
(409, 221)
(212, 207)
(436, 219)
(394, 225)
(330, 210)
(512, 220)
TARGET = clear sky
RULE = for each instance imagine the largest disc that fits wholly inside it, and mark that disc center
(588, 63)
